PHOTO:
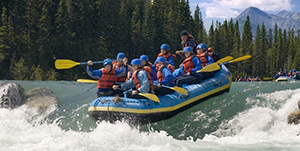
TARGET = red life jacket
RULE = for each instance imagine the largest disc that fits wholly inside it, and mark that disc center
(108, 79)
(137, 82)
(202, 58)
(121, 77)
(188, 64)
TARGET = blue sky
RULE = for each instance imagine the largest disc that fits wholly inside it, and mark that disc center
(220, 10)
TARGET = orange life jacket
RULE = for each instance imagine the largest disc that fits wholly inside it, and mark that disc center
(160, 75)
(108, 79)
(188, 64)
(211, 55)
(147, 68)
(121, 77)
(202, 58)
(137, 82)
(167, 55)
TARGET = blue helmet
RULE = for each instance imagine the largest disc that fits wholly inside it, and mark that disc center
(136, 62)
(188, 48)
(144, 57)
(161, 59)
(121, 55)
(280, 69)
(107, 61)
(294, 70)
(165, 46)
(202, 46)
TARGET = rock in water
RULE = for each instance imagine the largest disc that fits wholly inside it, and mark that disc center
(11, 95)
(41, 98)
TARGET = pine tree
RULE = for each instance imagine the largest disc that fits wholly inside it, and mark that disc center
(6, 43)
(236, 48)
(256, 52)
(125, 30)
(199, 26)
(291, 49)
(137, 36)
(264, 49)
(246, 45)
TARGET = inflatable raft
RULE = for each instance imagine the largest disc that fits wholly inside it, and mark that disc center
(283, 78)
(141, 111)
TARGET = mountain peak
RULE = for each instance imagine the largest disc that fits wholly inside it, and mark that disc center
(284, 19)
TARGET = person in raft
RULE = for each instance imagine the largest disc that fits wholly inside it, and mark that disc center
(187, 73)
(148, 66)
(187, 40)
(165, 77)
(141, 81)
(203, 56)
(106, 78)
(212, 54)
(165, 52)
(122, 62)
(279, 74)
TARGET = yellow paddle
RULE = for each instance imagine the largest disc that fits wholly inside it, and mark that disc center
(214, 66)
(87, 81)
(225, 59)
(176, 88)
(209, 68)
(267, 78)
(150, 96)
(238, 59)
(67, 63)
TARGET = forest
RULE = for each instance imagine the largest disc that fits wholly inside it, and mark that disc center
(33, 34)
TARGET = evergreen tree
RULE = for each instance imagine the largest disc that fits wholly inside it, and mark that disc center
(291, 49)
(246, 45)
(264, 50)
(6, 43)
(236, 48)
(211, 35)
(137, 36)
(225, 39)
(125, 29)
(256, 52)
(199, 26)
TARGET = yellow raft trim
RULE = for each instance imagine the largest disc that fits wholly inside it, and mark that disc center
(166, 109)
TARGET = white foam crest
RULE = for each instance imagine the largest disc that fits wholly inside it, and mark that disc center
(262, 125)
(18, 133)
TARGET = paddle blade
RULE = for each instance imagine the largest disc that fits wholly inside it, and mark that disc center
(240, 58)
(179, 90)
(87, 81)
(65, 63)
(210, 68)
(225, 59)
(150, 96)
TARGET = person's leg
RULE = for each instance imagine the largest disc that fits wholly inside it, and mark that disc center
(192, 79)
(162, 90)
(135, 96)
(207, 75)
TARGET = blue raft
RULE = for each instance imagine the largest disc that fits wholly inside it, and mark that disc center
(141, 111)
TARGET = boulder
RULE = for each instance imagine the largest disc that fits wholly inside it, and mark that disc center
(41, 98)
(11, 95)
